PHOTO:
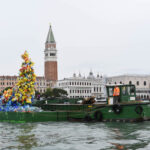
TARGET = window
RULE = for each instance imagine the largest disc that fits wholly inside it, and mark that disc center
(123, 90)
(52, 54)
(144, 83)
(130, 82)
(110, 92)
(128, 90)
(115, 83)
(120, 82)
(137, 83)
(132, 90)
(46, 54)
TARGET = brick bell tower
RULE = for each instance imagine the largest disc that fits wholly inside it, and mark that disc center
(50, 57)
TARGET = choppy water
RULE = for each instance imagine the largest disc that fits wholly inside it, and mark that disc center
(75, 136)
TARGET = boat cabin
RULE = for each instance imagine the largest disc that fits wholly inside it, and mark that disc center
(127, 93)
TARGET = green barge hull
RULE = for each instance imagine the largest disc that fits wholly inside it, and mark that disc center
(128, 113)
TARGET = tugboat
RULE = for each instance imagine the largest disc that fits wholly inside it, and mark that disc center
(127, 109)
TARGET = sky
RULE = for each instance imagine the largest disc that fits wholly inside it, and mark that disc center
(109, 37)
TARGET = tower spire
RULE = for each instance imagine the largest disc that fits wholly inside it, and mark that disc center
(50, 36)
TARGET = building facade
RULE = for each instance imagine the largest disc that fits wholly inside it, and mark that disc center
(142, 83)
(82, 87)
(50, 68)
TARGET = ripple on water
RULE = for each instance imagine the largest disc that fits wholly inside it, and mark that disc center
(74, 136)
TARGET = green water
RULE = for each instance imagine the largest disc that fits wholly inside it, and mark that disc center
(75, 136)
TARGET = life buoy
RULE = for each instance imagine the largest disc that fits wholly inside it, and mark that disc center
(117, 109)
(98, 115)
(87, 118)
(139, 110)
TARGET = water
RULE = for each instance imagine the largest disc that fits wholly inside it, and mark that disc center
(75, 136)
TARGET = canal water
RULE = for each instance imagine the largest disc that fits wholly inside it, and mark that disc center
(75, 136)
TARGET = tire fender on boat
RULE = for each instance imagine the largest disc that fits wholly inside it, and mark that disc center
(98, 115)
(117, 108)
(139, 110)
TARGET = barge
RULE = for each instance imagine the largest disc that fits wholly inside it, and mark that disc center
(127, 109)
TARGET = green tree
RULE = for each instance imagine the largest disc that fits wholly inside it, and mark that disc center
(48, 93)
(59, 92)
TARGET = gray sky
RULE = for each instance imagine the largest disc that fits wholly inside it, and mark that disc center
(108, 36)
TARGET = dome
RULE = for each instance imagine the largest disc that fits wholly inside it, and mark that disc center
(91, 76)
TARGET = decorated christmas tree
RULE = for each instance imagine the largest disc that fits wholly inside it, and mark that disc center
(25, 88)
(22, 94)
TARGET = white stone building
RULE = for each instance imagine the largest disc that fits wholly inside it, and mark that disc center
(82, 87)
(142, 83)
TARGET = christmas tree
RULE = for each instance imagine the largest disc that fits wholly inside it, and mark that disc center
(23, 92)
(25, 89)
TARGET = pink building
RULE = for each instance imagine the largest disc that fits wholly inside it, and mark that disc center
(10, 81)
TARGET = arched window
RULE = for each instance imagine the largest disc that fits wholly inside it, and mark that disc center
(137, 83)
(144, 83)
(94, 89)
(130, 82)
(115, 83)
(120, 82)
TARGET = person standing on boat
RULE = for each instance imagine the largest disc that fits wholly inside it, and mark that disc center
(116, 94)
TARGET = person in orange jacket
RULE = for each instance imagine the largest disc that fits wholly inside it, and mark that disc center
(116, 94)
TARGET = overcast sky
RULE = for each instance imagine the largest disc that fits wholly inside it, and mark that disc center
(110, 37)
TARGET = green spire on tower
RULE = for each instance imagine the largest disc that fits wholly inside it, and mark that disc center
(50, 36)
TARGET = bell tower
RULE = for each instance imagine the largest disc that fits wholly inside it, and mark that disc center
(50, 57)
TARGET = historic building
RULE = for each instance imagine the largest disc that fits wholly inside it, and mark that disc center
(142, 83)
(50, 77)
(82, 87)
(50, 57)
